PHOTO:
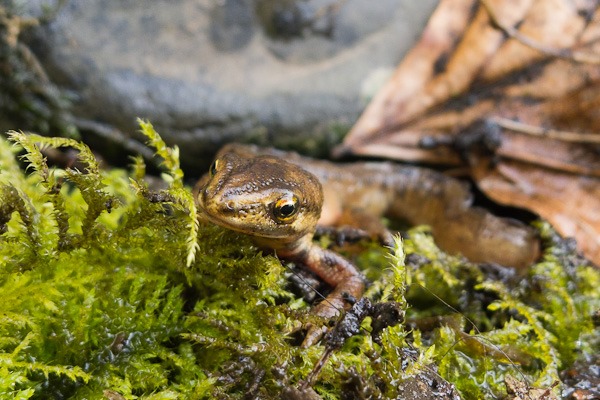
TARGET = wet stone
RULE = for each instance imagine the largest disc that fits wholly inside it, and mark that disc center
(288, 73)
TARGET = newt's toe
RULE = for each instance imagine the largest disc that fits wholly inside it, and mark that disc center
(314, 334)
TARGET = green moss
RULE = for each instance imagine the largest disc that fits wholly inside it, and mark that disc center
(528, 326)
(109, 289)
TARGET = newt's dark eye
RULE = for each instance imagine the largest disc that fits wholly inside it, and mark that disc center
(286, 208)
(213, 168)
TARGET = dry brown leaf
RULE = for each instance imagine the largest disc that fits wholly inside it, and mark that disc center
(511, 90)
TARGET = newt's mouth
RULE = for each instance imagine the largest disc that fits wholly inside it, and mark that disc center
(221, 214)
(249, 218)
(217, 219)
(238, 225)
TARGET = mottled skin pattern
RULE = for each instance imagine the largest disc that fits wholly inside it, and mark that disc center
(278, 204)
(279, 198)
(358, 194)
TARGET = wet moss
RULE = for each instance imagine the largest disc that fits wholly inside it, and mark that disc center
(109, 289)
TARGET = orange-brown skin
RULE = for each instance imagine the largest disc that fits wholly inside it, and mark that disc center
(246, 183)
(278, 204)
(358, 194)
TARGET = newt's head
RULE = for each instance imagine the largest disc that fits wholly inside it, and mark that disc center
(262, 196)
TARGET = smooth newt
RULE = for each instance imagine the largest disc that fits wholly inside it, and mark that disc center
(279, 198)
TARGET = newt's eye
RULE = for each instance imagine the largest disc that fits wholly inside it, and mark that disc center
(213, 168)
(286, 208)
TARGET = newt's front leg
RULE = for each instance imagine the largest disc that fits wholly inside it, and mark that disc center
(347, 283)
(278, 204)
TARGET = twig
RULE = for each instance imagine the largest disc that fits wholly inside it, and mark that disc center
(565, 53)
(565, 136)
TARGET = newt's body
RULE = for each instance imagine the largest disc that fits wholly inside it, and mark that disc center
(278, 198)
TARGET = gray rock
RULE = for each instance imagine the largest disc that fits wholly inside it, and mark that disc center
(205, 72)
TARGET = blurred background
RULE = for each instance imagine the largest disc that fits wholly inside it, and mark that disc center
(293, 73)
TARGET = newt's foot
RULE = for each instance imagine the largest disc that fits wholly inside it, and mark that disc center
(314, 334)
(330, 309)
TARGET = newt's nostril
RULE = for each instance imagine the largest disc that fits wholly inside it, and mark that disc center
(227, 208)
(204, 196)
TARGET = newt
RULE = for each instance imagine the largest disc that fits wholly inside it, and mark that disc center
(280, 199)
